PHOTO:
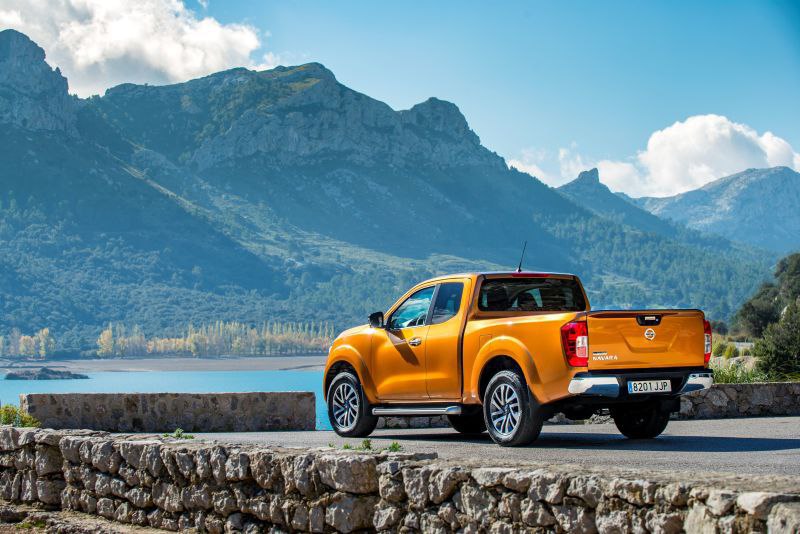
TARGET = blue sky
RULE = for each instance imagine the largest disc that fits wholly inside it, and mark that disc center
(661, 96)
(536, 75)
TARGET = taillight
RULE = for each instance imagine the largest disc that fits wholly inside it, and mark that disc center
(575, 339)
(707, 338)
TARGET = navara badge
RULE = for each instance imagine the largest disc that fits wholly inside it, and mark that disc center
(650, 334)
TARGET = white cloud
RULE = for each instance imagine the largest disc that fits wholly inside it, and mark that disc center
(530, 161)
(101, 43)
(684, 156)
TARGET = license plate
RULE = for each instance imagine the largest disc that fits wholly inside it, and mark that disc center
(649, 386)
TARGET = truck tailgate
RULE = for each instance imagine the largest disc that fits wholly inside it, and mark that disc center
(645, 339)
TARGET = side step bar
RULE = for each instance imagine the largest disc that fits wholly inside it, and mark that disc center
(423, 410)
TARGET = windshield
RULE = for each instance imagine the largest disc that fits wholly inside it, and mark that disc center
(531, 294)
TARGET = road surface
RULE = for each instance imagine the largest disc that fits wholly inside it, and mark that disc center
(763, 446)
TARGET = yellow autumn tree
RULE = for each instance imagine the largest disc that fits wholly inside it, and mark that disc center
(105, 343)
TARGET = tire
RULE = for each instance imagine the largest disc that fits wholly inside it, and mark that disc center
(508, 388)
(470, 424)
(345, 393)
(640, 422)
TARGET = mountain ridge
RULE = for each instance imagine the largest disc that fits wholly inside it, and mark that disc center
(249, 195)
(755, 206)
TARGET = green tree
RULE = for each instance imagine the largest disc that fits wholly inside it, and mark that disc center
(778, 352)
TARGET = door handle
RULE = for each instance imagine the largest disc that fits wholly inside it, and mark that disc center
(415, 342)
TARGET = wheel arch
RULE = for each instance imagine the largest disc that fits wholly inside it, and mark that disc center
(503, 353)
(345, 359)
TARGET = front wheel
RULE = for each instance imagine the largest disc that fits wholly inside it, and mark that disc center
(640, 422)
(348, 410)
(510, 411)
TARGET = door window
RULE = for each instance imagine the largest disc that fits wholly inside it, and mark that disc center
(448, 301)
(413, 311)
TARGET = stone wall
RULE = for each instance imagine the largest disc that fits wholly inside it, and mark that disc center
(742, 400)
(177, 485)
(164, 412)
(718, 402)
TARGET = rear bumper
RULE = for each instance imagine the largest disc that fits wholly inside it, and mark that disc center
(616, 385)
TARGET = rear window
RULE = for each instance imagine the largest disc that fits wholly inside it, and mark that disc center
(531, 294)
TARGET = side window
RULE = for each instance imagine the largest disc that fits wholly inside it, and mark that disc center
(413, 311)
(448, 301)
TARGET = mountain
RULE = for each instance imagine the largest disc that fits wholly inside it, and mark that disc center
(756, 206)
(587, 191)
(284, 194)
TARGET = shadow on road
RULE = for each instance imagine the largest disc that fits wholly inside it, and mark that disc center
(613, 441)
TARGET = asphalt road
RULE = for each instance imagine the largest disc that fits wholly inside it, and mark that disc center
(762, 446)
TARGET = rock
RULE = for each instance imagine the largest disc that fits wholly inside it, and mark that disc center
(353, 474)
(720, 502)
(48, 460)
(391, 489)
(347, 513)
(415, 481)
(489, 476)
(444, 483)
(574, 518)
(49, 491)
(784, 518)
(44, 373)
(197, 497)
(587, 488)
(237, 466)
(223, 502)
(664, 522)
(613, 522)
(217, 460)
(386, 516)
(477, 503)
(185, 463)
(700, 520)
(139, 497)
(106, 508)
(263, 469)
(759, 503)
(535, 514)
(547, 486)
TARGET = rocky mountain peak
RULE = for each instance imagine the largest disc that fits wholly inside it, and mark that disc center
(590, 177)
(440, 116)
(34, 95)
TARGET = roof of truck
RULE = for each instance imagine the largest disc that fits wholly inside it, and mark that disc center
(515, 274)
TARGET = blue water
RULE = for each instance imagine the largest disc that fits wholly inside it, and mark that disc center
(176, 382)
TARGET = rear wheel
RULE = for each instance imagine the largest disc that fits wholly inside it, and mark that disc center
(511, 413)
(472, 423)
(640, 422)
(348, 410)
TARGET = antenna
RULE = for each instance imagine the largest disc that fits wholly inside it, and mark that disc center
(524, 246)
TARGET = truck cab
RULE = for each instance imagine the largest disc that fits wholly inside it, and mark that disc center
(502, 352)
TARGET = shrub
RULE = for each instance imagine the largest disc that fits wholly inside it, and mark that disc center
(12, 415)
(778, 352)
(719, 348)
(179, 434)
(731, 352)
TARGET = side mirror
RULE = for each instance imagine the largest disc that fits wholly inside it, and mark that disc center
(376, 319)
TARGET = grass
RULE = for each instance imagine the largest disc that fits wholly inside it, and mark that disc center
(12, 415)
(366, 445)
(179, 434)
(737, 374)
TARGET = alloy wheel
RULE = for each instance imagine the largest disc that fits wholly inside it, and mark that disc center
(505, 410)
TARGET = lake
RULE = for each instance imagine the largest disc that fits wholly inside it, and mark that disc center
(176, 382)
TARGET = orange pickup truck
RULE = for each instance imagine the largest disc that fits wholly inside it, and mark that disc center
(503, 352)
